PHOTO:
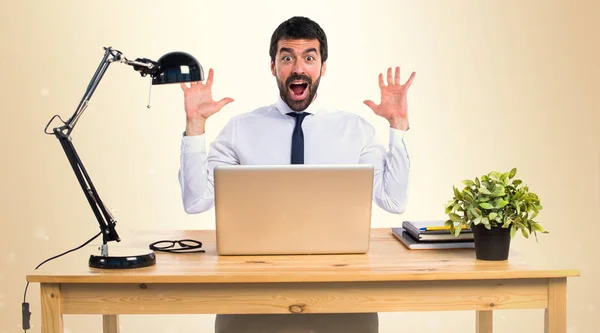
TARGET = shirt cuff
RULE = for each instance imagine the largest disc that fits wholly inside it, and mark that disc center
(193, 144)
(396, 136)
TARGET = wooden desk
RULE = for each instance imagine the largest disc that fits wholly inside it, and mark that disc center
(388, 278)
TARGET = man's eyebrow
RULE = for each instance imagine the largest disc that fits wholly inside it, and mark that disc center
(285, 49)
(289, 50)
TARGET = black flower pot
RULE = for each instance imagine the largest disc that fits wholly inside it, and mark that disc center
(492, 244)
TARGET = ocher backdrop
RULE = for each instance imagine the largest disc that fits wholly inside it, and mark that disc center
(499, 84)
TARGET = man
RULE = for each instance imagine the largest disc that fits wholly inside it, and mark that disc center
(295, 129)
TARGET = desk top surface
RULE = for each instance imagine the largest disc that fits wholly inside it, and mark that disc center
(387, 260)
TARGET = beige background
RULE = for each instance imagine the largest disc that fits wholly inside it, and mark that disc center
(499, 84)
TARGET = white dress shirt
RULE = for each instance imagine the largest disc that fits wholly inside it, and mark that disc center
(264, 136)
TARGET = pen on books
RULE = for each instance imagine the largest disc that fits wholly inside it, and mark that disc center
(438, 228)
(434, 228)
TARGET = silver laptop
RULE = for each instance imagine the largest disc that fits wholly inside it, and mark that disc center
(293, 209)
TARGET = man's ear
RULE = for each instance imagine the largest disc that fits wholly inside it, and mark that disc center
(323, 68)
(273, 68)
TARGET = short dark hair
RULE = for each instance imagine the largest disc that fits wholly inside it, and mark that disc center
(299, 27)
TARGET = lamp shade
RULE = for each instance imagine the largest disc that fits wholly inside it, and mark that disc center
(176, 67)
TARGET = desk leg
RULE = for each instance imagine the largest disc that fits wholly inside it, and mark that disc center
(556, 313)
(52, 321)
(484, 321)
(110, 323)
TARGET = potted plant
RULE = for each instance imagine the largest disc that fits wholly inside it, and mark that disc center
(495, 207)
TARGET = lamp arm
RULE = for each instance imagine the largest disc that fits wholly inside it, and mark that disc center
(110, 55)
(142, 65)
(105, 219)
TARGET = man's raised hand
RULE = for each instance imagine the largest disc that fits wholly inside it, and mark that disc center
(199, 104)
(394, 105)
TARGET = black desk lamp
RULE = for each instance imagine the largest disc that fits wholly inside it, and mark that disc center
(174, 67)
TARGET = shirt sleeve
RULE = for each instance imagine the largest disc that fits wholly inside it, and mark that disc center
(196, 177)
(391, 170)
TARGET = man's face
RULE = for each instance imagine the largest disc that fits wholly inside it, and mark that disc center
(298, 70)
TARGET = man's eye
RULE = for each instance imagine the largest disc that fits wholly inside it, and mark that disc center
(286, 58)
(310, 58)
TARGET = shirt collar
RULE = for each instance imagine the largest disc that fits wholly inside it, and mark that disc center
(313, 108)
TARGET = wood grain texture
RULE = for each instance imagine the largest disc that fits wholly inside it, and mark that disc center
(556, 313)
(304, 297)
(484, 322)
(387, 260)
(110, 324)
(52, 319)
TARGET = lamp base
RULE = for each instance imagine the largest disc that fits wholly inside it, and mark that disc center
(134, 258)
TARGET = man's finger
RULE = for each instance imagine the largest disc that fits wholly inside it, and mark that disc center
(397, 77)
(209, 80)
(381, 83)
(184, 87)
(223, 102)
(410, 80)
(371, 105)
(389, 76)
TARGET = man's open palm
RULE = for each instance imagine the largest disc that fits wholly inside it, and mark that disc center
(198, 100)
(394, 104)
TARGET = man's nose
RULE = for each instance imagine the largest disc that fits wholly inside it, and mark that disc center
(298, 68)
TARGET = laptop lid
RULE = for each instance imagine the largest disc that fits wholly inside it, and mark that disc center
(293, 209)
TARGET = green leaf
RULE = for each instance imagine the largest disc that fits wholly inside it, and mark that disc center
(456, 207)
(538, 227)
(468, 195)
(457, 230)
(486, 205)
(498, 191)
(517, 182)
(449, 224)
(450, 206)
(534, 215)
(493, 215)
(477, 182)
(485, 221)
(468, 182)
(517, 205)
(501, 203)
(513, 230)
(504, 178)
(524, 233)
(484, 190)
(457, 193)
(455, 218)
(512, 173)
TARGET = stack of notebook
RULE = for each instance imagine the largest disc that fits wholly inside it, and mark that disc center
(432, 235)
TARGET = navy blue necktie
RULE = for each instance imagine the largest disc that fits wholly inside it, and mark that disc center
(298, 138)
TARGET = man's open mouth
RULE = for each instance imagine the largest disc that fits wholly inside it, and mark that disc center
(299, 89)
